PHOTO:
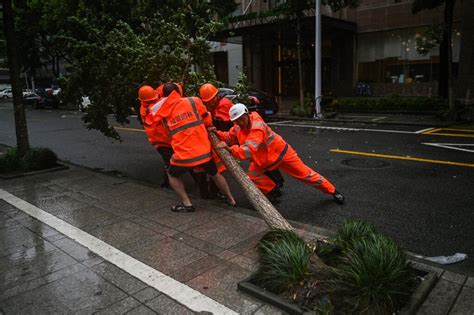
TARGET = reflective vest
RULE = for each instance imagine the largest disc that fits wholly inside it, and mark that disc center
(258, 143)
(185, 120)
(156, 133)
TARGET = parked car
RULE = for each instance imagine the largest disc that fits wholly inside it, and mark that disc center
(40, 99)
(6, 93)
(33, 99)
(54, 90)
(259, 101)
(49, 99)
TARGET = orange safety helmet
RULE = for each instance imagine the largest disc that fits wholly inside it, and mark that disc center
(207, 92)
(147, 93)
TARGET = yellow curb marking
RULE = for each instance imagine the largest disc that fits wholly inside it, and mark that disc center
(399, 157)
(456, 129)
(431, 131)
(453, 135)
(129, 129)
(435, 132)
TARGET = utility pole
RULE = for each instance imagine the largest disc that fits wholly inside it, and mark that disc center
(317, 61)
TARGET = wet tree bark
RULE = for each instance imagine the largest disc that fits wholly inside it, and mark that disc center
(21, 129)
(259, 201)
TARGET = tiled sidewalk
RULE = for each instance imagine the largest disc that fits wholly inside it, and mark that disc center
(210, 250)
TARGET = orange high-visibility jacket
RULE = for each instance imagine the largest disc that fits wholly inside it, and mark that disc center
(221, 111)
(159, 91)
(259, 143)
(156, 133)
(186, 120)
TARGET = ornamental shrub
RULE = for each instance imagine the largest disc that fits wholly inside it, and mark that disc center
(35, 159)
(284, 260)
(10, 161)
(393, 102)
(39, 158)
(374, 276)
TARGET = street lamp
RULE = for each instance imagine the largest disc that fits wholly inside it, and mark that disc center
(317, 57)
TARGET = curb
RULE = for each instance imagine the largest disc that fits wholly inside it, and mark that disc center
(59, 167)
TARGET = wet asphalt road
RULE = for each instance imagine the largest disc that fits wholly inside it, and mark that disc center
(427, 207)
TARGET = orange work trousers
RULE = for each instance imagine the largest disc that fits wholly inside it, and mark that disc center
(292, 165)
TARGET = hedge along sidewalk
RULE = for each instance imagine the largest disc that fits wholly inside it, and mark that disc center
(37, 160)
(367, 118)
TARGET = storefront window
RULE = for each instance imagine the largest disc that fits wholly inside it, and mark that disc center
(392, 57)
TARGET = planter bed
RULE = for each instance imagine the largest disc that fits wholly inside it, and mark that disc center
(427, 281)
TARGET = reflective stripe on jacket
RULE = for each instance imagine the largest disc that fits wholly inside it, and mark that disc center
(259, 143)
(186, 120)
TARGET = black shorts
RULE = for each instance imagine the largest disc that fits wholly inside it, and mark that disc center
(176, 171)
(166, 153)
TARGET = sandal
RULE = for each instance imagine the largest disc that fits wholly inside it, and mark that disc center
(232, 205)
(182, 208)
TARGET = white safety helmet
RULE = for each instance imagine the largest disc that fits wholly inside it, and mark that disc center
(237, 110)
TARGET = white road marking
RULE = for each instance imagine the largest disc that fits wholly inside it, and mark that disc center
(356, 116)
(424, 130)
(341, 128)
(280, 122)
(378, 118)
(178, 291)
(452, 146)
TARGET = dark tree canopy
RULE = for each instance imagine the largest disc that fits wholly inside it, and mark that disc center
(112, 47)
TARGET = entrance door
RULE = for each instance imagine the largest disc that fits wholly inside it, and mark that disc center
(221, 66)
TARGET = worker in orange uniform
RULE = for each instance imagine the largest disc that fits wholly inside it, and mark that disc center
(218, 106)
(251, 138)
(185, 120)
(157, 135)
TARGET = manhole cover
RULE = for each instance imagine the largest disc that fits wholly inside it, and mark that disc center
(365, 163)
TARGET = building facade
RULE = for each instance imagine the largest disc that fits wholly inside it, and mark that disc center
(375, 43)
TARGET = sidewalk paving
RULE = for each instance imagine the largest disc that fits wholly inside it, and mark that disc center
(210, 250)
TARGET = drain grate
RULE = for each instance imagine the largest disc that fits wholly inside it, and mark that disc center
(365, 163)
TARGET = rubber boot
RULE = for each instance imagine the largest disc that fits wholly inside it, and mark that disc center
(276, 177)
(338, 197)
(274, 195)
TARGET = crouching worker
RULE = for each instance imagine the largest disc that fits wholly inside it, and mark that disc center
(186, 120)
(251, 138)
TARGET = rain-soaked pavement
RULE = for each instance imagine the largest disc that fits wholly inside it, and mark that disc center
(44, 271)
(113, 246)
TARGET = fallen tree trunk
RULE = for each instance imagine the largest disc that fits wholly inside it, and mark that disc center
(259, 201)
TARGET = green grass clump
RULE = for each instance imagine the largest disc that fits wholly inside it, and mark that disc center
(352, 231)
(374, 275)
(349, 233)
(10, 161)
(35, 159)
(39, 158)
(284, 260)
